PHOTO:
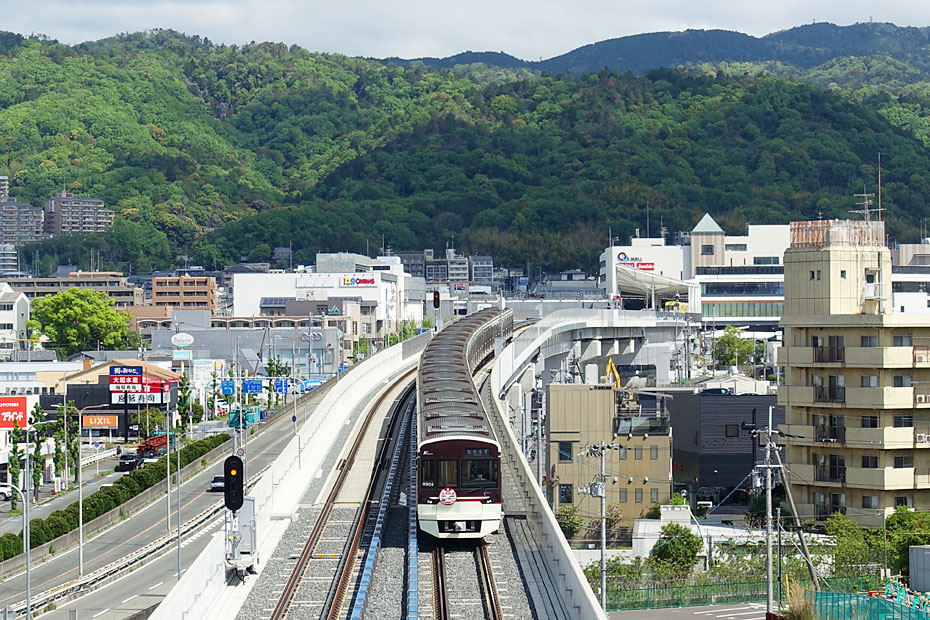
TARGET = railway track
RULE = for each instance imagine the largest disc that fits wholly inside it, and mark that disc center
(460, 570)
(334, 542)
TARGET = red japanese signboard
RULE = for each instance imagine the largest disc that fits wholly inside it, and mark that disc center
(12, 409)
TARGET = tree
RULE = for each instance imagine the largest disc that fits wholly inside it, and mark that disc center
(851, 551)
(184, 400)
(569, 520)
(906, 528)
(731, 349)
(38, 431)
(16, 437)
(78, 319)
(677, 548)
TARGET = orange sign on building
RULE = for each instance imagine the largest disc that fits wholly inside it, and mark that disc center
(101, 421)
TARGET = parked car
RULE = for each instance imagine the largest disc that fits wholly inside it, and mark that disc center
(218, 483)
(6, 492)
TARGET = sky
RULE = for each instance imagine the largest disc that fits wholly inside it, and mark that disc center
(528, 29)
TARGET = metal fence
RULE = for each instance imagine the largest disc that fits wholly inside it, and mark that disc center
(842, 605)
(725, 592)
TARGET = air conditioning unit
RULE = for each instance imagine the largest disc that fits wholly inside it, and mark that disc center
(920, 398)
(920, 357)
(922, 438)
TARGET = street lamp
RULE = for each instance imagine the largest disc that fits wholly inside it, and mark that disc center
(26, 541)
(81, 486)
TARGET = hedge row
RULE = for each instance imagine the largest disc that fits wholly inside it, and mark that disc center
(105, 499)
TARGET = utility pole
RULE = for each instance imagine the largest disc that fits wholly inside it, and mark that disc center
(602, 490)
(768, 516)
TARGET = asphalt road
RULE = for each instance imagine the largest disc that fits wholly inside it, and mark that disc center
(734, 611)
(144, 527)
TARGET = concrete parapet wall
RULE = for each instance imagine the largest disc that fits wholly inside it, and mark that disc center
(203, 592)
(573, 589)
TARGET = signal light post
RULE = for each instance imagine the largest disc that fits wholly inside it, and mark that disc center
(233, 496)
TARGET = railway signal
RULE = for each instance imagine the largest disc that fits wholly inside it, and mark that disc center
(435, 299)
(233, 483)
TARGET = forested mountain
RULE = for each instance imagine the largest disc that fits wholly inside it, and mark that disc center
(803, 46)
(219, 152)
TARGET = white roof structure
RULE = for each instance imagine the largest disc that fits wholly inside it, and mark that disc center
(707, 225)
(640, 282)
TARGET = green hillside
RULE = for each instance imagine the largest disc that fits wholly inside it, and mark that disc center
(219, 152)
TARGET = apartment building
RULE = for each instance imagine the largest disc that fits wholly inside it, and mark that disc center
(9, 259)
(639, 467)
(14, 312)
(857, 377)
(67, 214)
(116, 286)
(21, 223)
(185, 292)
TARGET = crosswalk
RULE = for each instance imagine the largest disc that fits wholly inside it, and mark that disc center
(751, 611)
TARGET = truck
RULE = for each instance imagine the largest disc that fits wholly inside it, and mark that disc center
(154, 446)
(250, 416)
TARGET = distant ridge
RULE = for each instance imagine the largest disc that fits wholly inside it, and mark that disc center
(803, 46)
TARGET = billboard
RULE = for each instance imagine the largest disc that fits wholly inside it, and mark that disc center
(356, 281)
(100, 421)
(137, 398)
(12, 409)
(202, 370)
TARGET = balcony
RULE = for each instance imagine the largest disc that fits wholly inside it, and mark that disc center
(822, 513)
(921, 395)
(886, 479)
(801, 434)
(829, 394)
(883, 438)
(827, 355)
(830, 473)
(835, 434)
(874, 290)
(854, 357)
(922, 478)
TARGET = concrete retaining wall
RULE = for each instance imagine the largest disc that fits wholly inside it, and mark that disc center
(151, 494)
(202, 593)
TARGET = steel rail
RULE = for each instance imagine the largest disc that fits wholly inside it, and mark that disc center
(440, 596)
(492, 599)
(399, 412)
(303, 560)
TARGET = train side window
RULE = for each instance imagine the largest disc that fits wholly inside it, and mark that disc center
(479, 473)
(448, 473)
(428, 472)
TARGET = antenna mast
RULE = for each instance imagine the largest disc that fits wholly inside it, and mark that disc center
(879, 186)
(866, 211)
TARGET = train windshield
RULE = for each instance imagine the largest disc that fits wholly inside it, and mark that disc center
(479, 473)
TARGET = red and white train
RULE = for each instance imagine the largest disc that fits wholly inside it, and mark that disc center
(458, 457)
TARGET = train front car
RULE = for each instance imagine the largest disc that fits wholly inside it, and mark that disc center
(458, 476)
(459, 487)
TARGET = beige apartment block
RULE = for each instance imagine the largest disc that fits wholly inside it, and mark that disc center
(113, 283)
(639, 467)
(185, 293)
(857, 377)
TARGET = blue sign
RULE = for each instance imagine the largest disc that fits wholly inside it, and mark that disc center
(252, 386)
(228, 386)
(280, 386)
(125, 371)
(309, 385)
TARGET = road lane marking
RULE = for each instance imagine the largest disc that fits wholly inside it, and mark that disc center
(156, 585)
(130, 598)
(273, 444)
(717, 611)
(100, 613)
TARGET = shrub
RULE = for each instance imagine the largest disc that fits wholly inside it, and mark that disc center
(11, 544)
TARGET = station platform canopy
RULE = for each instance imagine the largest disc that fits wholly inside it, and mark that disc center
(637, 282)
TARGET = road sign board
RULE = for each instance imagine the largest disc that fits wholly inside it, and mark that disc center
(293, 418)
(228, 386)
(96, 444)
(182, 340)
(280, 386)
(240, 452)
(252, 386)
(181, 355)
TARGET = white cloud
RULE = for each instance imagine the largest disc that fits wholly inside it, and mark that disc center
(411, 28)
